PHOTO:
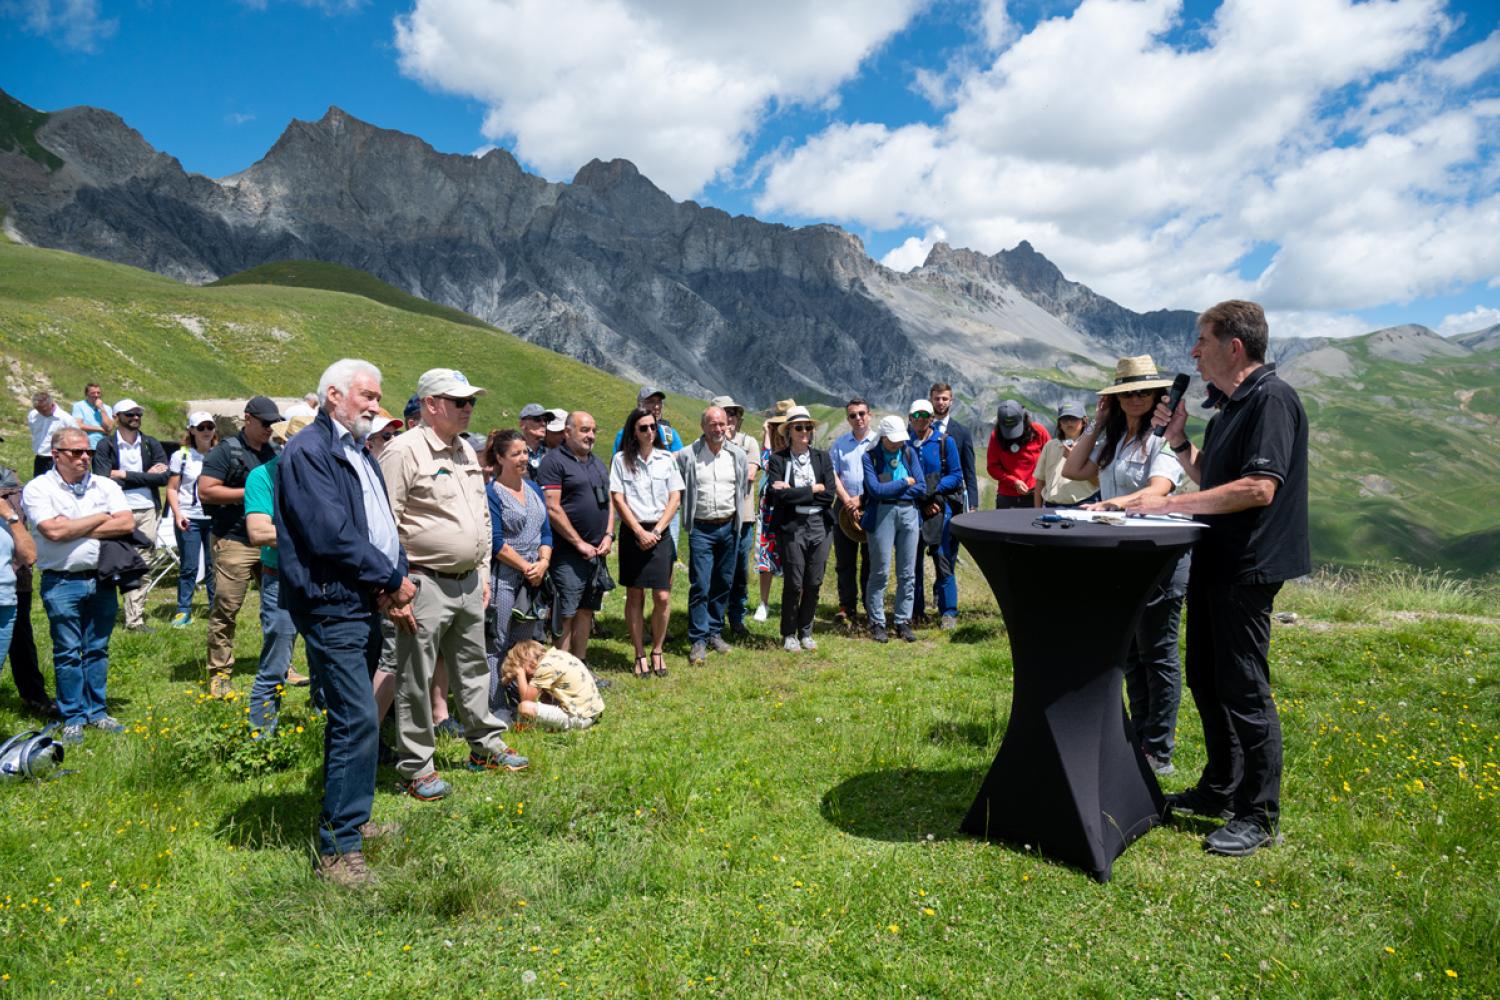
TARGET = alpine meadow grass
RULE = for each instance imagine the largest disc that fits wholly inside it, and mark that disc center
(768, 825)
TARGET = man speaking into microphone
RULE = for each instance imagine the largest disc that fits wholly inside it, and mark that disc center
(1252, 470)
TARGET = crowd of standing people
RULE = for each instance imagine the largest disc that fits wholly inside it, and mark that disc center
(420, 562)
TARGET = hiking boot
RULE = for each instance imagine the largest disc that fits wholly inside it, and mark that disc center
(347, 871)
(904, 632)
(919, 620)
(718, 645)
(71, 735)
(449, 727)
(504, 759)
(296, 680)
(106, 723)
(1161, 765)
(1238, 838)
(46, 708)
(698, 655)
(1197, 803)
(182, 619)
(809, 643)
(140, 628)
(792, 644)
(739, 631)
(878, 632)
(950, 622)
(428, 787)
(220, 687)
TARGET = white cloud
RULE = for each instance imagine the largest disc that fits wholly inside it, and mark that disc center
(72, 24)
(1316, 324)
(239, 117)
(676, 87)
(1336, 131)
(1478, 318)
(914, 250)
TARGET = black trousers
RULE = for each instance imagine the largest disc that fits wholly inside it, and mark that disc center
(23, 659)
(1003, 502)
(1228, 671)
(851, 561)
(804, 543)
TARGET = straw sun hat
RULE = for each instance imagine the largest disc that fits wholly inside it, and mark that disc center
(1136, 373)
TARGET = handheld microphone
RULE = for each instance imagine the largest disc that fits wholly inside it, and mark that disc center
(1174, 397)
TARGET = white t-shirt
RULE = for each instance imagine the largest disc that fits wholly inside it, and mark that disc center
(46, 497)
(187, 463)
(1136, 463)
(42, 428)
(647, 490)
(132, 459)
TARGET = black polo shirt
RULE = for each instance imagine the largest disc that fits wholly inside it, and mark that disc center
(1261, 430)
(584, 487)
(230, 462)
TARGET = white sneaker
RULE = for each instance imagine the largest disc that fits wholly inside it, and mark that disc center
(791, 645)
(808, 643)
(761, 613)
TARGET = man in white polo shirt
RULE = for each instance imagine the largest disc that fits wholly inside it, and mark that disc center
(72, 510)
(45, 419)
(137, 463)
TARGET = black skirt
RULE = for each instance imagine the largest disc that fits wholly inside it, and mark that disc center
(650, 568)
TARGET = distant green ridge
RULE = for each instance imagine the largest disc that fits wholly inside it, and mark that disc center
(337, 278)
(18, 125)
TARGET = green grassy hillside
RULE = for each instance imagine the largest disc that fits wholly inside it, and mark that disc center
(18, 125)
(336, 278)
(66, 320)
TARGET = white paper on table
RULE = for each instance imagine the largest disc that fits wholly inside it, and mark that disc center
(1118, 518)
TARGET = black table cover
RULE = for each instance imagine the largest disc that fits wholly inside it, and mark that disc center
(1069, 779)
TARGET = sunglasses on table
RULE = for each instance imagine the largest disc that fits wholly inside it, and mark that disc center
(462, 404)
(75, 452)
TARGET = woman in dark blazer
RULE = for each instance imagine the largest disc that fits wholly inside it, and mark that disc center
(802, 494)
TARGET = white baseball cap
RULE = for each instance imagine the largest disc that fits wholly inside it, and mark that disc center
(893, 428)
(200, 417)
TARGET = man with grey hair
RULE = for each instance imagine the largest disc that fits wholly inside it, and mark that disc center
(45, 419)
(437, 493)
(341, 564)
(221, 488)
(713, 476)
(576, 486)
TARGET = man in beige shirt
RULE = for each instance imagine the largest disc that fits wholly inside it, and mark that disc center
(713, 476)
(437, 495)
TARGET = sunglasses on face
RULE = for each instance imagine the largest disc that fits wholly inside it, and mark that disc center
(204, 427)
(802, 427)
(129, 413)
(462, 404)
(386, 435)
(1138, 393)
(644, 428)
(921, 415)
(75, 452)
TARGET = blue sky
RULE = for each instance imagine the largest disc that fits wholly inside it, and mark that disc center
(1334, 160)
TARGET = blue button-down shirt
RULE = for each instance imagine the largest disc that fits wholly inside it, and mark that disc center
(378, 517)
(849, 459)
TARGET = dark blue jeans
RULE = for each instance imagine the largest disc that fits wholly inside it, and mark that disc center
(192, 543)
(81, 616)
(341, 654)
(739, 590)
(277, 637)
(710, 577)
(945, 584)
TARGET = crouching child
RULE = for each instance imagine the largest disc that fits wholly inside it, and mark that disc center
(552, 687)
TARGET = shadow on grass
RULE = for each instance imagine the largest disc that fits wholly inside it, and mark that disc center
(974, 734)
(903, 805)
(275, 820)
(974, 634)
(197, 669)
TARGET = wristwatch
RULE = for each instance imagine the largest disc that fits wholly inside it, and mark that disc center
(1180, 448)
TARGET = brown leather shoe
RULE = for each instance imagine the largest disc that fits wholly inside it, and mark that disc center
(220, 687)
(347, 871)
(296, 680)
(371, 830)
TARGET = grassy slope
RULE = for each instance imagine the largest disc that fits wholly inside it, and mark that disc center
(1432, 504)
(66, 319)
(335, 278)
(18, 125)
(775, 827)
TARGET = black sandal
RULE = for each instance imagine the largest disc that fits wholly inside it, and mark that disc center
(641, 670)
(661, 669)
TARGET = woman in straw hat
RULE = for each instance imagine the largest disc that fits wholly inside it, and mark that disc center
(1129, 461)
(802, 495)
(767, 559)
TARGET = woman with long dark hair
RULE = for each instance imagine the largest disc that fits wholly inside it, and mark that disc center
(188, 519)
(1129, 461)
(1011, 457)
(520, 547)
(646, 487)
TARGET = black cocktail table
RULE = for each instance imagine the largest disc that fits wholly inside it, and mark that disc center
(1069, 779)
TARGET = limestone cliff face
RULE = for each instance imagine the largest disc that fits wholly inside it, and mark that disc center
(607, 268)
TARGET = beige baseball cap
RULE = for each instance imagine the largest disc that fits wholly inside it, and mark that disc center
(446, 382)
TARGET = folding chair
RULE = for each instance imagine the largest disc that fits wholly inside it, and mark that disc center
(165, 558)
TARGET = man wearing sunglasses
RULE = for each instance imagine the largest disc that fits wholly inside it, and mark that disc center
(73, 510)
(138, 464)
(221, 488)
(437, 494)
